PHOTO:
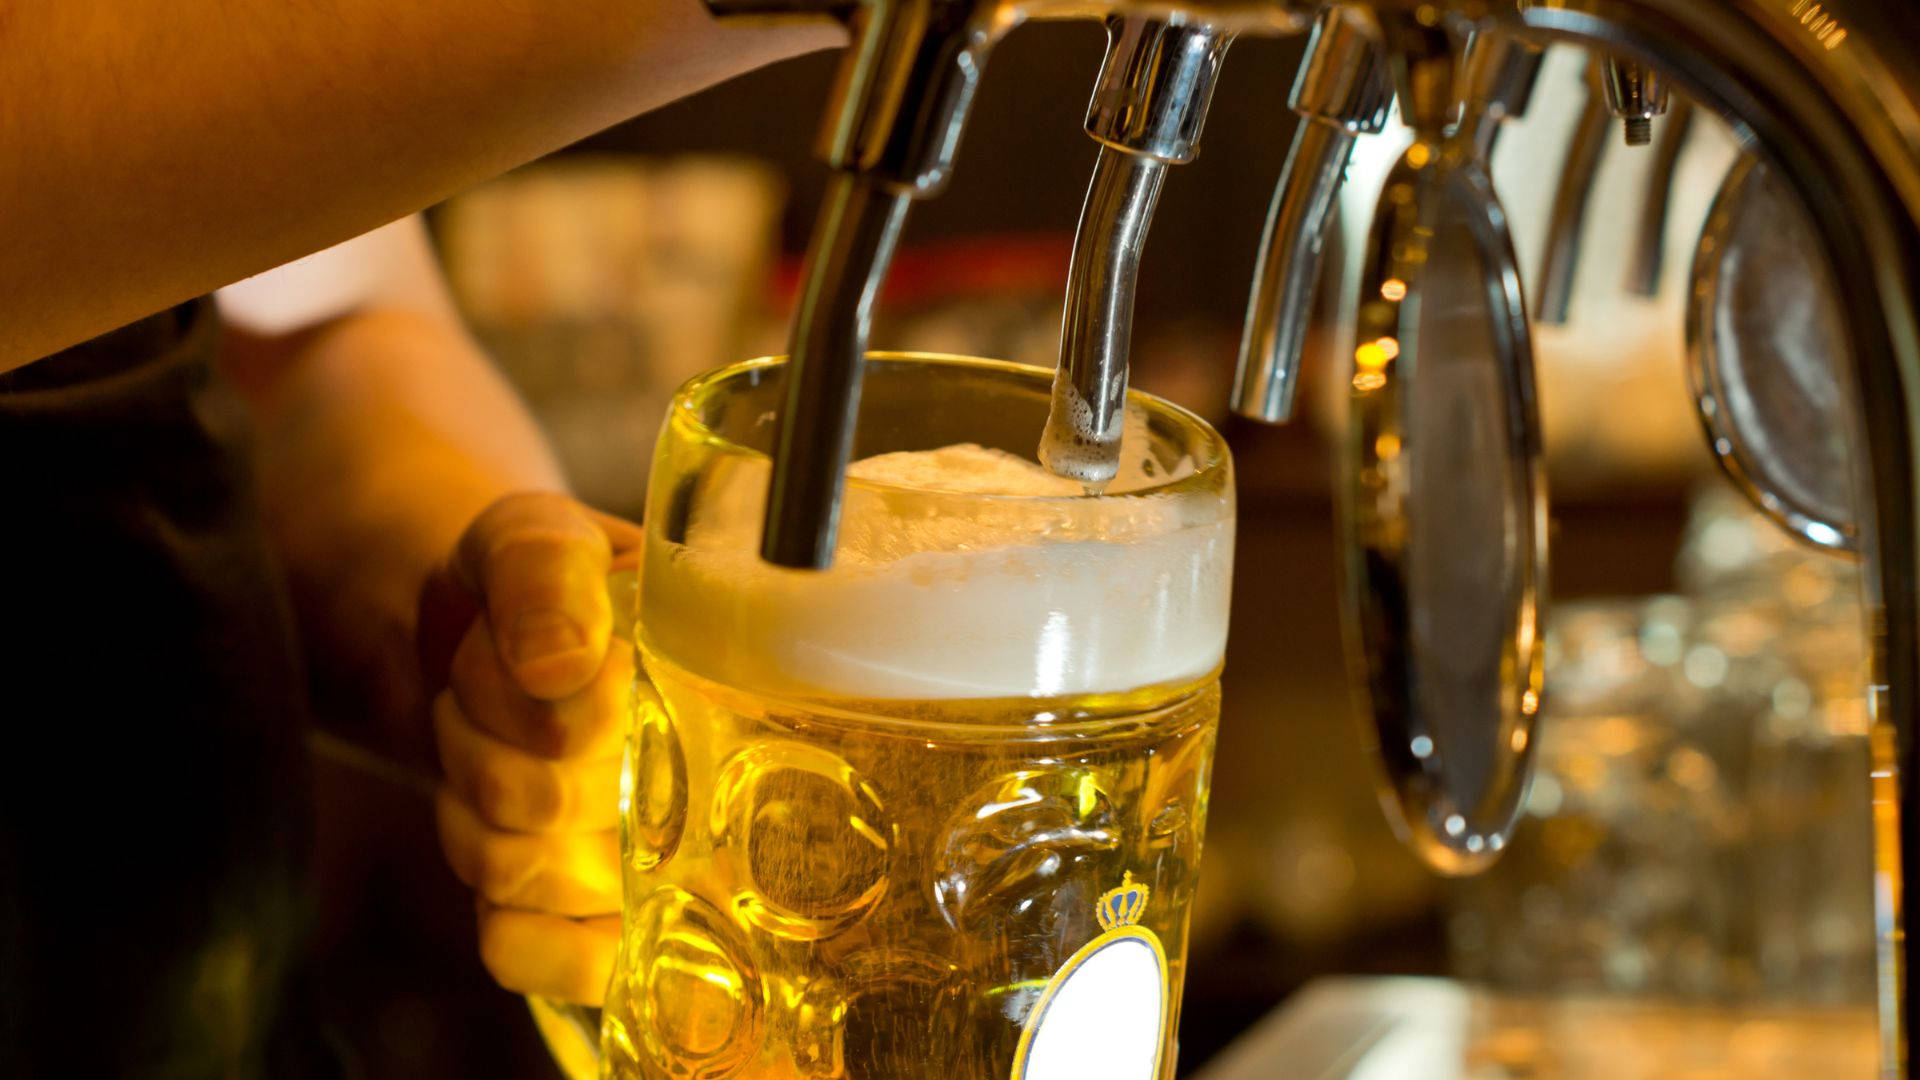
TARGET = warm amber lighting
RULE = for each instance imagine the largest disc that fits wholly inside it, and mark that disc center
(1372, 356)
(1393, 289)
(1824, 27)
(1387, 447)
(1369, 380)
(1418, 155)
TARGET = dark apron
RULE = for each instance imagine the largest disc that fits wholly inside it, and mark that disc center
(153, 811)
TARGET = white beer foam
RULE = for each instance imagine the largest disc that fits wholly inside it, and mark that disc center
(1116, 594)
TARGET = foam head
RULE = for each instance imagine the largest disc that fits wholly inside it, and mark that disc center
(962, 573)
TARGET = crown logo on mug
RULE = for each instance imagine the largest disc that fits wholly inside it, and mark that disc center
(1122, 905)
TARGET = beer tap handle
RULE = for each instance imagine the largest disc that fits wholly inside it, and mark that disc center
(1340, 92)
(1147, 113)
(1442, 502)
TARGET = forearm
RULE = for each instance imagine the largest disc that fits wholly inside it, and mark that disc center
(163, 150)
(382, 436)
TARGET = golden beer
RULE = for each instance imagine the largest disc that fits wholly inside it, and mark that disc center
(936, 812)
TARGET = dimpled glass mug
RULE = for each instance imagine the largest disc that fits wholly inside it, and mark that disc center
(937, 811)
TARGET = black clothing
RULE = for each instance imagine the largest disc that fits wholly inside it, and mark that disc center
(154, 817)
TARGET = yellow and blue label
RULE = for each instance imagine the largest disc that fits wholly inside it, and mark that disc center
(1105, 1012)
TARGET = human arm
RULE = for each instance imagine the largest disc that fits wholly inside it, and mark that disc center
(412, 499)
(158, 151)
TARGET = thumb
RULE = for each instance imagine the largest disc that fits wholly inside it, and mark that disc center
(539, 562)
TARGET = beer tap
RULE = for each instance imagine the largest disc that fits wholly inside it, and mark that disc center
(1649, 243)
(1340, 92)
(900, 101)
(1147, 112)
(1560, 255)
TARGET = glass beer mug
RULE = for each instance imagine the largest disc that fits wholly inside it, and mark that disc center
(937, 811)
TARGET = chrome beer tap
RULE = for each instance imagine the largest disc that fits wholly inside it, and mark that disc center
(1147, 112)
(899, 104)
(1340, 92)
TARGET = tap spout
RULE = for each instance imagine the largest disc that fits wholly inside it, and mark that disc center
(1649, 242)
(903, 93)
(1568, 217)
(1147, 113)
(1288, 271)
(1082, 437)
(853, 242)
(1340, 92)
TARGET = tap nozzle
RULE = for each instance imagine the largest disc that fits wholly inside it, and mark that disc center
(1560, 255)
(1147, 112)
(1636, 94)
(1340, 92)
(904, 89)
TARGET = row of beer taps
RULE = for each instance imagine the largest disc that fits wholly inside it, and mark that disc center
(901, 101)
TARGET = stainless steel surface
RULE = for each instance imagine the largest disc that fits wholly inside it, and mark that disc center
(1561, 253)
(1147, 112)
(1765, 349)
(1443, 509)
(1501, 72)
(1826, 91)
(853, 242)
(1341, 91)
(1082, 437)
(1155, 86)
(1649, 246)
(1636, 94)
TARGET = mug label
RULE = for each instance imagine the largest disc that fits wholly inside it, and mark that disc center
(1104, 1013)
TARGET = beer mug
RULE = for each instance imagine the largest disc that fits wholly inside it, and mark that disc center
(936, 811)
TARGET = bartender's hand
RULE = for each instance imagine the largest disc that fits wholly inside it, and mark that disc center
(519, 631)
